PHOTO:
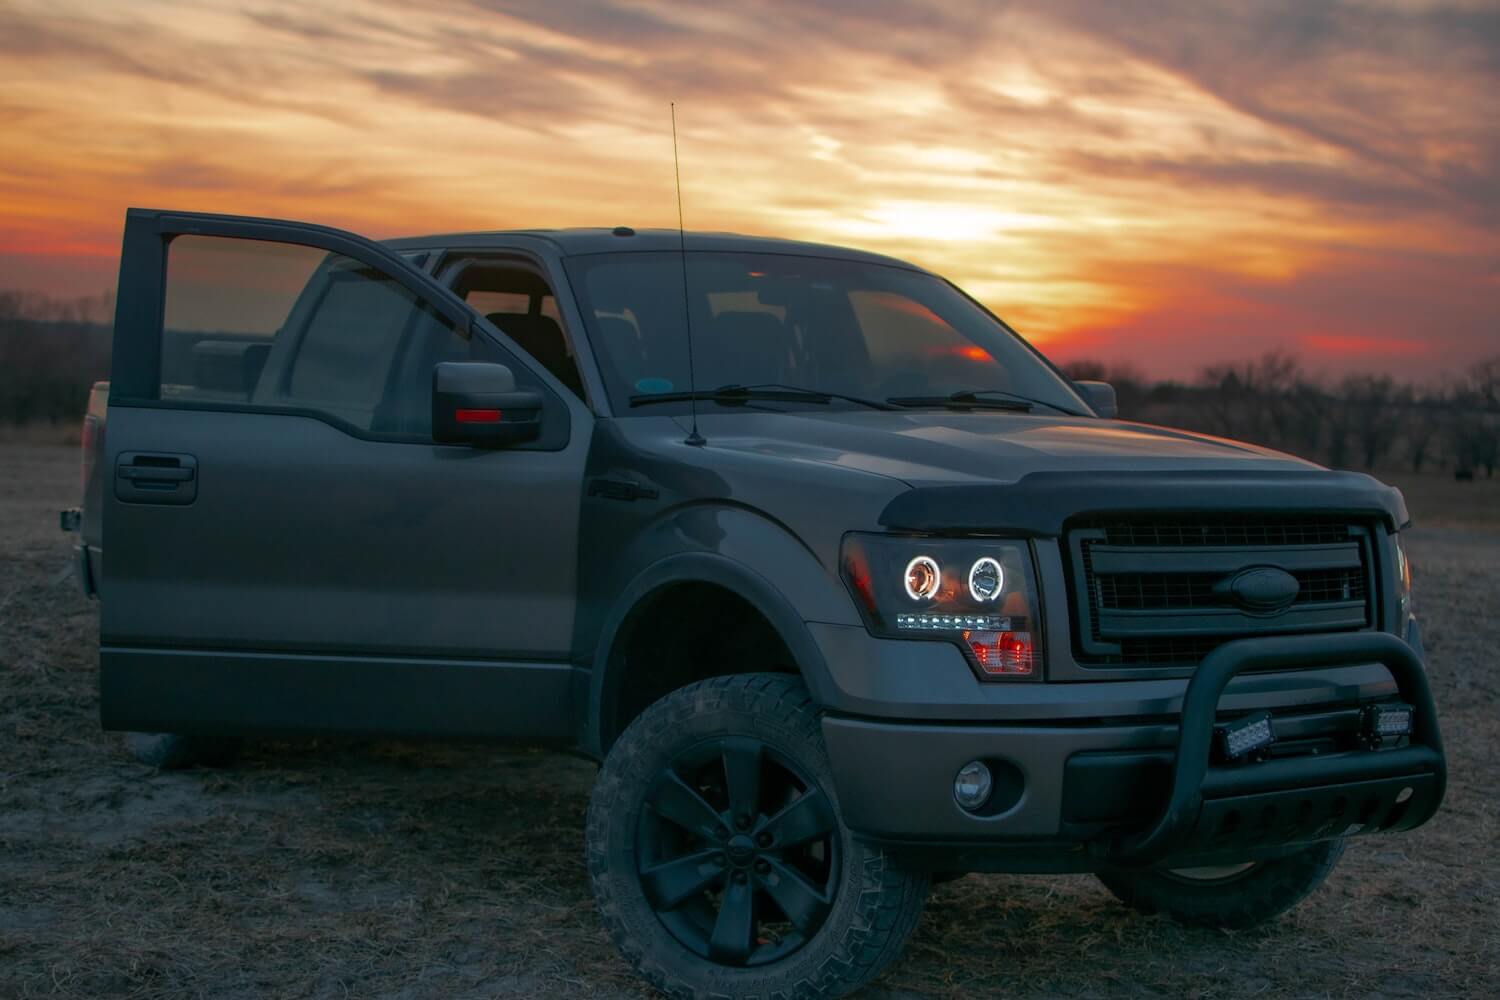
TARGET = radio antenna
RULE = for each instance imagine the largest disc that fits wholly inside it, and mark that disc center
(694, 438)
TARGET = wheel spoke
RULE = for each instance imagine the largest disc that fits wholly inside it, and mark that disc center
(710, 854)
(808, 818)
(674, 800)
(735, 927)
(742, 776)
(672, 883)
(804, 905)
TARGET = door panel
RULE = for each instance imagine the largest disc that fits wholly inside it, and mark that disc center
(304, 538)
(323, 523)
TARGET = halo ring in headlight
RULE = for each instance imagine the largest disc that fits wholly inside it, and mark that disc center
(986, 579)
(923, 578)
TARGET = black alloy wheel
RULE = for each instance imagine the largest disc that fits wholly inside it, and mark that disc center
(719, 856)
(737, 852)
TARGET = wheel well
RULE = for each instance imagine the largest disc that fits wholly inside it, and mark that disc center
(681, 633)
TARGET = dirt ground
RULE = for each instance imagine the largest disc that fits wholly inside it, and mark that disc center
(382, 869)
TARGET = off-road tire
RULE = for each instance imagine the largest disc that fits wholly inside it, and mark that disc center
(178, 751)
(1261, 893)
(875, 906)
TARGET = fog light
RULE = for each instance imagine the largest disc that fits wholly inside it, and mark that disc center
(971, 787)
(1382, 722)
(1245, 736)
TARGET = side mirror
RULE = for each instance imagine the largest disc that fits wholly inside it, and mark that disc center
(477, 403)
(1101, 396)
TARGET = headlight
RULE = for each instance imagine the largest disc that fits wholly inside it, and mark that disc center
(978, 593)
(1403, 577)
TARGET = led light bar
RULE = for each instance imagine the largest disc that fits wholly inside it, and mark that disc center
(1387, 721)
(1245, 736)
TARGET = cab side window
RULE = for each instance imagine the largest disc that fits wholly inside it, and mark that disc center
(520, 303)
(263, 325)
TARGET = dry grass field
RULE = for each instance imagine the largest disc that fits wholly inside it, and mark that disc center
(379, 869)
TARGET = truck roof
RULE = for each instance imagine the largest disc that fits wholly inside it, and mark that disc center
(624, 239)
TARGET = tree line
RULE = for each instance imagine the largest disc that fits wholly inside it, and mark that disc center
(1357, 421)
(52, 350)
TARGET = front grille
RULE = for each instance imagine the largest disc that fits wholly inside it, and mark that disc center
(1168, 591)
(1224, 530)
(1323, 586)
(1156, 590)
(1196, 590)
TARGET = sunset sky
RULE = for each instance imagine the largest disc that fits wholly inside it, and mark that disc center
(1171, 183)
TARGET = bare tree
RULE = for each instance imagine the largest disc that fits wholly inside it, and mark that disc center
(1376, 406)
(1484, 382)
(50, 352)
(1421, 428)
(1475, 430)
(1269, 401)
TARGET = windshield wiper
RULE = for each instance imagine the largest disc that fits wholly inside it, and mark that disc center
(768, 392)
(988, 399)
(964, 399)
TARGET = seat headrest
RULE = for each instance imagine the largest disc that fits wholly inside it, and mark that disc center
(519, 325)
(541, 337)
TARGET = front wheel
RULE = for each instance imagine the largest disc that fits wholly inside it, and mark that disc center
(1232, 897)
(718, 857)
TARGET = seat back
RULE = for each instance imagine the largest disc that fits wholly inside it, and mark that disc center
(541, 337)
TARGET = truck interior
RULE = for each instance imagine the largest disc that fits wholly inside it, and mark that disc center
(521, 304)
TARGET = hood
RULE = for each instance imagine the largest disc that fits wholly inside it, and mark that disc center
(926, 447)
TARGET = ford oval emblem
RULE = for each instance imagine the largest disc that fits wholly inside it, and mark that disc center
(1263, 590)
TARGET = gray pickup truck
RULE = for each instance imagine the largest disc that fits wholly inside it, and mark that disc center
(845, 586)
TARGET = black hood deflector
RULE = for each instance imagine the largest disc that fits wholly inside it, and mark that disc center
(1038, 504)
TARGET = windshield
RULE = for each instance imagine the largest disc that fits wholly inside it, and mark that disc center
(832, 326)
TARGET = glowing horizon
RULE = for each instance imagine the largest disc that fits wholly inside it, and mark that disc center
(1171, 184)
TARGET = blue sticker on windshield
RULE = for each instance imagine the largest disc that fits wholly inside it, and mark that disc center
(654, 385)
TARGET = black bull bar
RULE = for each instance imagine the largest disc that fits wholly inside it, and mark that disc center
(1293, 799)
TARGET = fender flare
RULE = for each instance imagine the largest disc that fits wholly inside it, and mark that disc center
(698, 567)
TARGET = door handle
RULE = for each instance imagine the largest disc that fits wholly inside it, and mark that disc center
(153, 474)
(151, 477)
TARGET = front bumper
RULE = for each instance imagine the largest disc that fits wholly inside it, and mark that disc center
(1093, 793)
